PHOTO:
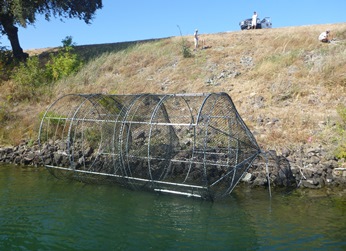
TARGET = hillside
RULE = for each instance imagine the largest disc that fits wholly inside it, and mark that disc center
(286, 85)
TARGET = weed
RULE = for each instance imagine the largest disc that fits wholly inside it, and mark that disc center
(341, 109)
(184, 47)
(5, 112)
(340, 151)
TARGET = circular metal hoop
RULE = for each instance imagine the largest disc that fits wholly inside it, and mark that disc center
(192, 144)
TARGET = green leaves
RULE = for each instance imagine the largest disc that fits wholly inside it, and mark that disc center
(63, 64)
(31, 77)
(19, 12)
(30, 73)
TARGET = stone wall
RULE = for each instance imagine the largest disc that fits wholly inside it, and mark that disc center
(306, 167)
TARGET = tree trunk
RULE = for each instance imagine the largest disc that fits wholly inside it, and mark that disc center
(12, 33)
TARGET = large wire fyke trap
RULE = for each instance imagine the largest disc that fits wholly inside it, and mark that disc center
(192, 144)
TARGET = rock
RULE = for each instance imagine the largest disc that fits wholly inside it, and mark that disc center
(247, 178)
(309, 165)
(57, 158)
(313, 160)
(141, 135)
(285, 152)
(28, 159)
(339, 172)
(260, 182)
(88, 151)
(309, 183)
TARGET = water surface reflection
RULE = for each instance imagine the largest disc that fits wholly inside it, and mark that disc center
(39, 212)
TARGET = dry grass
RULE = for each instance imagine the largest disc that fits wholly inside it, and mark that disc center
(285, 83)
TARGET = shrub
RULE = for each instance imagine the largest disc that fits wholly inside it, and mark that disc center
(184, 47)
(67, 42)
(340, 152)
(32, 79)
(6, 63)
(28, 77)
(186, 51)
(63, 64)
(30, 73)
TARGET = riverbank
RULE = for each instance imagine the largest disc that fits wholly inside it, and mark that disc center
(306, 167)
(288, 88)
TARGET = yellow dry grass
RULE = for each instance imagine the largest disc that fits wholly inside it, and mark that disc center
(285, 84)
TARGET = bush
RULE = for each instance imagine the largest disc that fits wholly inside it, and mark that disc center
(67, 42)
(31, 78)
(28, 77)
(186, 51)
(6, 63)
(63, 64)
(30, 73)
(184, 47)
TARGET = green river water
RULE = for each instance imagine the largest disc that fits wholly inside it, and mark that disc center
(40, 212)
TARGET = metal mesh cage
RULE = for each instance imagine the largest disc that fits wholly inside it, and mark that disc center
(191, 144)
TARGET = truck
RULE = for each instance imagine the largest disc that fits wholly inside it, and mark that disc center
(265, 23)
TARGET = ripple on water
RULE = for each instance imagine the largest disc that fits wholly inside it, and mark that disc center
(39, 212)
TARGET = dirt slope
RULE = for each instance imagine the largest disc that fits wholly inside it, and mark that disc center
(285, 83)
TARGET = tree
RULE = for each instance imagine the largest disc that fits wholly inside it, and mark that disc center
(15, 13)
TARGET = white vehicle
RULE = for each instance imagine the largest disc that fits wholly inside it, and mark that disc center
(264, 24)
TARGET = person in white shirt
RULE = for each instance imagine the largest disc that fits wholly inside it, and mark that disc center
(324, 36)
(196, 39)
(254, 20)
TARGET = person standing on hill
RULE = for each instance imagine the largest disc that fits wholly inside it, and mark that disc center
(196, 39)
(325, 37)
(254, 20)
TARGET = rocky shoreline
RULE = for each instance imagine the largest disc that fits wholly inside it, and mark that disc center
(307, 167)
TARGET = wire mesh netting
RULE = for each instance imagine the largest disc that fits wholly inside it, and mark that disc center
(191, 144)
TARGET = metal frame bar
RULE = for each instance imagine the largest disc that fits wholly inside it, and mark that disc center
(121, 116)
